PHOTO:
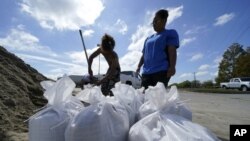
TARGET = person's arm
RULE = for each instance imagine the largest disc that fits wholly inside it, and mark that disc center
(172, 60)
(114, 64)
(91, 57)
(140, 64)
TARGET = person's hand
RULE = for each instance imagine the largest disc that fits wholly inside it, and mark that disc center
(171, 72)
(138, 70)
(97, 83)
(90, 73)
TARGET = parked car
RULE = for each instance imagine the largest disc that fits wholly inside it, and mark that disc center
(241, 83)
(127, 77)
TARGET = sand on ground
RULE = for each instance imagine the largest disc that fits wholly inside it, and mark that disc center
(218, 111)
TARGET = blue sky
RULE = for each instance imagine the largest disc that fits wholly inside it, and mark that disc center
(45, 33)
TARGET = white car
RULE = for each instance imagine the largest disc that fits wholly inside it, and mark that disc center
(241, 83)
(127, 77)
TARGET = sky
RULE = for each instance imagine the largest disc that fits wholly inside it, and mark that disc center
(45, 33)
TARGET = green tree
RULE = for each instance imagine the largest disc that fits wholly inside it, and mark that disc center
(242, 67)
(228, 63)
(208, 84)
(196, 84)
(185, 84)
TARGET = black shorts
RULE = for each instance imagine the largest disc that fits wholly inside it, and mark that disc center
(109, 84)
(152, 79)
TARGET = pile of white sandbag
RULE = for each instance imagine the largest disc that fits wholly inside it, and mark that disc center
(157, 115)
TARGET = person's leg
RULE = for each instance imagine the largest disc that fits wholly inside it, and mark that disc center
(107, 86)
(161, 77)
(146, 81)
(104, 88)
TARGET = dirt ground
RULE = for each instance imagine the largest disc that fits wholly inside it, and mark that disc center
(218, 111)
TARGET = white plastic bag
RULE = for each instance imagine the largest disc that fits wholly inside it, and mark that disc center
(169, 127)
(158, 99)
(50, 123)
(105, 121)
(130, 98)
(91, 95)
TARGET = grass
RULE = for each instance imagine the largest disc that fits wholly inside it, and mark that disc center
(216, 90)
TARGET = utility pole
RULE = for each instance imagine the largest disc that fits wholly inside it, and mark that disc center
(194, 80)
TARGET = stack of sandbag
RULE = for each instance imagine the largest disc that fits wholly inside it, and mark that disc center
(164, 117)
(50, 123)
(107, 118)
(157, 115)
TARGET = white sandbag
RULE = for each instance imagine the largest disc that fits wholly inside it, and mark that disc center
(158, 99)
(47, 84)
(130, 98)
(50, 123)
(91, 95)
(169, 127)
(100, 122)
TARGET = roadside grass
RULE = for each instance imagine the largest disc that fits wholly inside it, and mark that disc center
(216, 90)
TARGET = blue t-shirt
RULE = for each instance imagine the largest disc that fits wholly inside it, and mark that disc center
(154, 50)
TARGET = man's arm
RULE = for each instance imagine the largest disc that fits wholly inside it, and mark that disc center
(113, 68)
(172, 60)
(91, 57)
(140, 64)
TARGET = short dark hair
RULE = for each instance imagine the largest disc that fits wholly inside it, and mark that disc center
(163, 14)
(108, 42)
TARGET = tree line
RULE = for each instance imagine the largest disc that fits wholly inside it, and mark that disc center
(235, 63)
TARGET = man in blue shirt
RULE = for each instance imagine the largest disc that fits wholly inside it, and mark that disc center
(159, 53)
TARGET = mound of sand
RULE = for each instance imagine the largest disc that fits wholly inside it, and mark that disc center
(20, 93)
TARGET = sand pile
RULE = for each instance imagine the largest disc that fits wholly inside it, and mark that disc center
(20, 93)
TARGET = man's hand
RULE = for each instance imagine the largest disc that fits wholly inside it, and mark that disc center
(171, 72)
(138, 70)
(90, 73)
(98, 83)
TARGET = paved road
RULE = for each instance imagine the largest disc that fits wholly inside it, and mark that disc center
(218, 111)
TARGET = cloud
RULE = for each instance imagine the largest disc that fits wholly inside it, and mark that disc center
(20, 40)
(202, 73)
(88, 33)
(186, 75)
(223, 19)
(44, 59)
(204, 67)
(130, 60)
(122, 26)
(57, 68)
(196, 57)
(187, 41)
(79, 56)
(119, 26)
(195, 30)
(174, 13)
(63, 14)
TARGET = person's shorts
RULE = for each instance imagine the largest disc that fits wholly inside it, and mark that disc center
(152, 79)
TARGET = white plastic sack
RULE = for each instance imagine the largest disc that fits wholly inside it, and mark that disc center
(91, 95)
(129, 97)
(50, 123)
(100, 122)
(158, 99)
(169, 127)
